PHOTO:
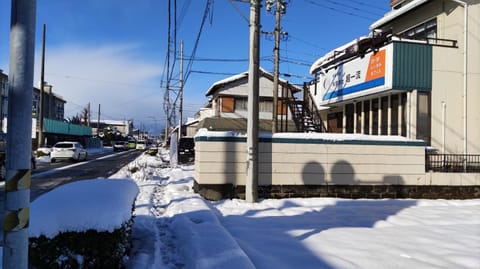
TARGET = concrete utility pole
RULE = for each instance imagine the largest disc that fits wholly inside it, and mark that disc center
(276, 63)
(180, 94)
(251, 192)
(98, 120)
(42, 92)
(19, 134)
(89, 115)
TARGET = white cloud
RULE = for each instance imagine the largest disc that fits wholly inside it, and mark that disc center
(115, 76)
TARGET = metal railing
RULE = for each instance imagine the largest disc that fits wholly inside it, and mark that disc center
(452, 163)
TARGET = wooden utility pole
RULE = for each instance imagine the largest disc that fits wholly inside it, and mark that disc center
(251, 192)
(19, 135)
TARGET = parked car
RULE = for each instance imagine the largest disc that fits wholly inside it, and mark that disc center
(120, 145)
(186, 150)
(141, 145)
(73, 151)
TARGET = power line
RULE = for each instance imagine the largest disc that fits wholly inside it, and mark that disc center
(343, 5)
(197, 41)
(239, 11)
(212, 73)
(315, 3)
(365, 3)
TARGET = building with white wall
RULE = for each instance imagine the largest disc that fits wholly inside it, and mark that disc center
(227, 108)
(416, 75)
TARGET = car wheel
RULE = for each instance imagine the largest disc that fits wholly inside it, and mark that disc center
(86, 154)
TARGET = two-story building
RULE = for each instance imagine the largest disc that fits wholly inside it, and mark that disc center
(227, 106)
(53, 104)
(416, 75)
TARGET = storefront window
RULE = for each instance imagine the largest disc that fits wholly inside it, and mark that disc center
(423, 116)
(394, 123)
(366, 110)
(375, 117)
(384, 111)
(359, 117)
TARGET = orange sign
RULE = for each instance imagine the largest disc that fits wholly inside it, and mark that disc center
(376, 66)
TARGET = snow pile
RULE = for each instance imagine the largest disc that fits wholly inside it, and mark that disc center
(173, 226)
(97, 204)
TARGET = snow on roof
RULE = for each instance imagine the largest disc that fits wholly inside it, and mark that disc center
(75, 207)
(396, 13)
(115, 122)
(225, 81)
(333, 55)
(243, 75)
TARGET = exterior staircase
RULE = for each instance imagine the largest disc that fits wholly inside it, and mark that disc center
(305, 113)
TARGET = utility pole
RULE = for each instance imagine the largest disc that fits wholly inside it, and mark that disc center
(280, 9)
(180, 108)
(251, 192)
(42, 92)
(89, 115)
(98, 120)
(19, 134)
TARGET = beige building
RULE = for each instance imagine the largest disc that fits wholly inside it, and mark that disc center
(416, 75)
(227, 106)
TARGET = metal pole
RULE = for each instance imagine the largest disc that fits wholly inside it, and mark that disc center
(19, 135)
(42, 91)
(251, 193)
(180, 109)
(89, 115)
(276, 53)
(98, 120)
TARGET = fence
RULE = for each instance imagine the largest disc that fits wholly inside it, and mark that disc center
(452, 163)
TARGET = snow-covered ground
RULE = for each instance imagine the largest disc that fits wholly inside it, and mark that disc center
(176, 228)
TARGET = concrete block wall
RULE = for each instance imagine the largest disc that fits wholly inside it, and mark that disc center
(290, 161)
(316, 167)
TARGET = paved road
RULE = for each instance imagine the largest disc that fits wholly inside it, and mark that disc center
(48, 176)
(95, 167)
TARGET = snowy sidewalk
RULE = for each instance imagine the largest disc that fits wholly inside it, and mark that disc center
(176, 228)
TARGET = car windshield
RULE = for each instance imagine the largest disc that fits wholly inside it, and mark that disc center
(64, 145)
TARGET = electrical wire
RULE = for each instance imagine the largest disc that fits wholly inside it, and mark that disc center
(316, 3)
(197, 41)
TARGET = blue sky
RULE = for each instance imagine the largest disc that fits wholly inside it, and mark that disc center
(112, 52)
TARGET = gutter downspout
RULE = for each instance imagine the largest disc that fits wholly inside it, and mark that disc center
(465, 66)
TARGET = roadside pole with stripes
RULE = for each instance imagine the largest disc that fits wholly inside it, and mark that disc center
(19, 135)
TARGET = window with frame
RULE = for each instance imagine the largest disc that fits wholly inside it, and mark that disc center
(265, 106)
(424, 31)
(241, 104)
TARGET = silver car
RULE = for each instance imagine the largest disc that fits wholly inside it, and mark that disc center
(68, 151)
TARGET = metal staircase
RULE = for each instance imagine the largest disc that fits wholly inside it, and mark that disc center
(305, 113)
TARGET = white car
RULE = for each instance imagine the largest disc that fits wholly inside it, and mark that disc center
(68, 151)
